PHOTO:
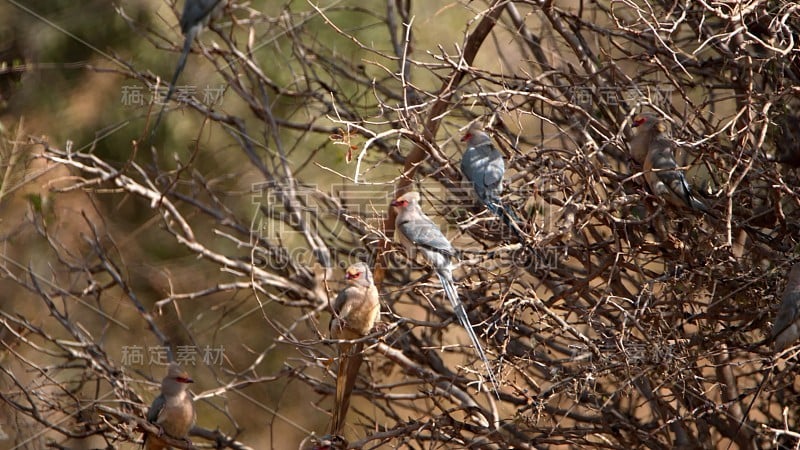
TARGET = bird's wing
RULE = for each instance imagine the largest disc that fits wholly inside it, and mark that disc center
(484, 167)
(421, 231)
(666, 179)
(470, 164)
(495, 169)
(675, 180)
(357, 307)
(341, 308)
(155, 408)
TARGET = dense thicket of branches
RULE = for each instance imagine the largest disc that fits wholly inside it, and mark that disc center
(630, 324)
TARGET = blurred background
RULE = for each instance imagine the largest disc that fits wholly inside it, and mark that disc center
(621, 321)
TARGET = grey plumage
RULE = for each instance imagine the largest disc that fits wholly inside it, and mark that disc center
(661, 171)
(196, 15)
(786, 329)
(483, 165)
(418, 233)
(173, 410)
(355, 312)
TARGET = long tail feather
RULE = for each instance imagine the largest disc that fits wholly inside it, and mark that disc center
(350, 358)
(187, 45)
(446, 278)
(698, 205)
(757, 394)
(508, 216)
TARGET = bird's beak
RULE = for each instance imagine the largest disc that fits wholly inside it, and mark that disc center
(352, 275)
(401, 202)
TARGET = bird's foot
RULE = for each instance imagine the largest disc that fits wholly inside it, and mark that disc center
(341, 325)
(329, 442)
(380, 327)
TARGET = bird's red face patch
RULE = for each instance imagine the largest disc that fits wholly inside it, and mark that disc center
(183, 379)
(352, 275)
(400, 203)
(466, 137)
(639, 120)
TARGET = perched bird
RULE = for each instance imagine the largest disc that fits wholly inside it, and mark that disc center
(196, 15)
(417, 232)
(787, 324)
(785, 331)
(661, 171)
(354, 314)
(484, 166)
(173, 409)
